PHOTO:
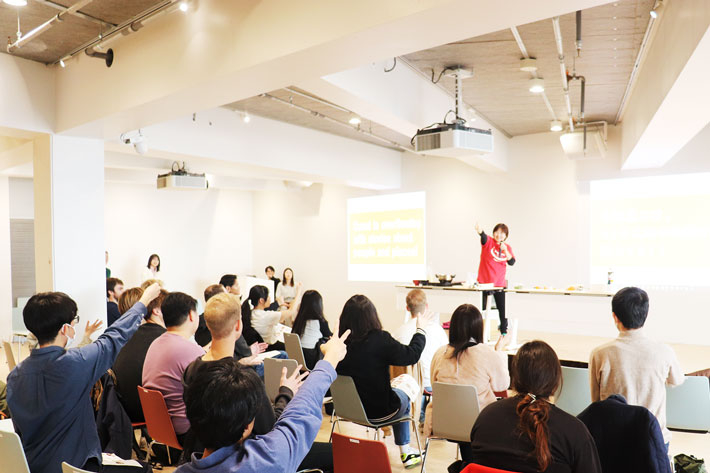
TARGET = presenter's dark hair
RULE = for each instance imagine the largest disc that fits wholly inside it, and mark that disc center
(111, 285)
(502, 227)
(360, 316)
(176, 307)
(46, 313)
(150, 258)
(228, 280)
(311, 308)
(536, 370)
(630, 305)
(221, 400)
(256, 293)
(466, 329)
(291, 282)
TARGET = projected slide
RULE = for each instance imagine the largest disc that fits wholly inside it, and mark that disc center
(387, 237)
(651, 230)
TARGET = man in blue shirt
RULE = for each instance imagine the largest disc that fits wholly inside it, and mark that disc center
(222, 400)
(48, 393)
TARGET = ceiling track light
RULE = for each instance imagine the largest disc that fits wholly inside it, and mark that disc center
(184, 6)
(246, 118)
(16, 3)
(528, 64)
(555, 125)
(656, 10)
(354, 120)
(61, 63)
(536, 85)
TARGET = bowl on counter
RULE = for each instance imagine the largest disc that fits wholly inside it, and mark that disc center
(445, 278)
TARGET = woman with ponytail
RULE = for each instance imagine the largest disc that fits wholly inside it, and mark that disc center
(262, 325)
(526, 433)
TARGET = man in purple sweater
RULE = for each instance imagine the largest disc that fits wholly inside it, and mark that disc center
(221, 405)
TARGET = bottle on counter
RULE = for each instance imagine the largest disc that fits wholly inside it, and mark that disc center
(609, 277)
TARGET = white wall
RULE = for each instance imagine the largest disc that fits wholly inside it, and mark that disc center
(27, 95)
(199, 235)
(5, 273)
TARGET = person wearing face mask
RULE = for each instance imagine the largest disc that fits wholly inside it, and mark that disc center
(48, 393)
(496, 256)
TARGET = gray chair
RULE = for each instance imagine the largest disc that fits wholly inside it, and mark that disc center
(10, 358)
(454, 412)
(688, 405)
(294, 349)
(348, 408)
(272, 374)
(67, 468)
(575, 394)
(12, 453)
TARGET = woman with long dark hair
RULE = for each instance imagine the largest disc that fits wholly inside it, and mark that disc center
(528, 434)
(467, 360)
(152, 269)
(371, 352)
(261, 324)
(286, 291)
(310, 325)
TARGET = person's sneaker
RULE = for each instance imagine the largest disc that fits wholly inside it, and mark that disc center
(410, 460)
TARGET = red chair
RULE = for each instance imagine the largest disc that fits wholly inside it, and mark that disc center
(354, 455)
(157, 420)
(471, 468)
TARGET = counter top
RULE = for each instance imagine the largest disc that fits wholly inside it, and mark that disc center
(554, 292)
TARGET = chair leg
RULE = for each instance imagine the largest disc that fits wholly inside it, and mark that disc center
(167, 449)
(150, 451)
(332, 428)
(424, 454)
(377, 434)
(416, 433)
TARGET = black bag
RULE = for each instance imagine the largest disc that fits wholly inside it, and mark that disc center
(688, 464)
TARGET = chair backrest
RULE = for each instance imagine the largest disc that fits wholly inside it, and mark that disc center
(688, 405)
(12, 454)
(346, 400)
(455, 410)
(575, 394)
(67, 468)
(9, 356)
(354, 455)
(272, 374)
(472, 468)
(294, 349)
(157, 418)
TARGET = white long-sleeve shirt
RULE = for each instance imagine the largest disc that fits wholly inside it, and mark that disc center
(435, 337)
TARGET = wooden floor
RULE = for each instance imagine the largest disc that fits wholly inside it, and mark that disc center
(576, 348)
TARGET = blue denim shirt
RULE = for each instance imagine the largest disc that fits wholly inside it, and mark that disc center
(282, 449)
(48, 396)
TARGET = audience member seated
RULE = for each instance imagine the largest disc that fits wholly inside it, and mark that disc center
(310, 325)
(222, 403)
(48, 393)
(230, 282)
(262, 325)
(286, 292)
(270, 274)
(4, 411)
(170, 354)
(130, 297)
(128, 367)
(114, 289)
(202, 335)
(435, 338)
(148, 282)
(628, 438)
(223, 316)
(528, 434)
(634, 365)
(467, 360)
(152, 269)
(371, 352)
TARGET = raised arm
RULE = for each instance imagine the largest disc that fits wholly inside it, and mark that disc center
(482, 234)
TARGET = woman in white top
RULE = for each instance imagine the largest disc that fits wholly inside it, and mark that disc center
(310, 325)
(262, 325)
(152, 269)
(286, 291)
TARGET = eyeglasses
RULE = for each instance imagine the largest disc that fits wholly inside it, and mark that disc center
(75, 320)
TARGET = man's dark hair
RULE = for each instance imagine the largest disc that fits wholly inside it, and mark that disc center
(221, 400)
(111, 284)
(269, 268)
(45, 314)
(176, 307)
(630, 305)
(156, 303)
(228, 280)
(213, 290)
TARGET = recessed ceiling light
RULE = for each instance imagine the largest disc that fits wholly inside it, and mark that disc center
(354, 120)
(16, 3)
(246, 118)
(555, 125)
(536, 85)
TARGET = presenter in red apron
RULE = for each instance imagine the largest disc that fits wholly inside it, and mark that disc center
(496, 256)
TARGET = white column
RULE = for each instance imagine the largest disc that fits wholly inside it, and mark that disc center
(5, 273)
(69, 221)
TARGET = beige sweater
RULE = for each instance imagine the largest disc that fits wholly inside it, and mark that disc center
(480, 366)
(639, 369)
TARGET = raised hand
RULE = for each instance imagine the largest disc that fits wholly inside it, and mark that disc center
(92, 327)
(150, 293)
(426, 318)
(294, 381)
(334, 350)
(257, 348)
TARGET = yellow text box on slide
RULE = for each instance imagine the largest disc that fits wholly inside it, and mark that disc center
(387, 237)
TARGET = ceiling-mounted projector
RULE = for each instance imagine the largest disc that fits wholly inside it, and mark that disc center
(179, 178)
(453, 140)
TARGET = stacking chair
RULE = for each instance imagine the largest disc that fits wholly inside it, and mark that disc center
(348, 408)
(9, 356)
(67, 468)
(272, 374)
(294, 349)
(454, 413)
(12, 453)
(688, 405)
(575, 394)
(157, 420)
(471, 468)
(354, 455)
